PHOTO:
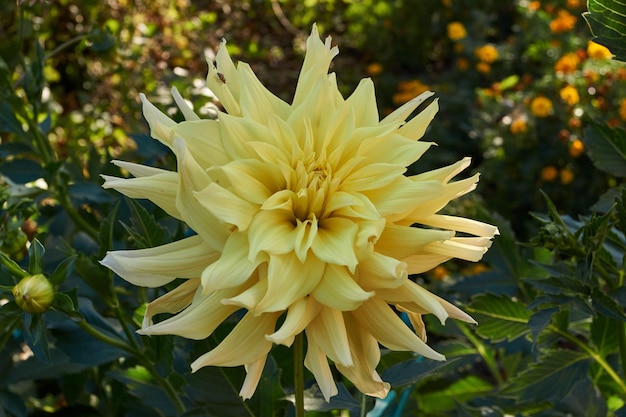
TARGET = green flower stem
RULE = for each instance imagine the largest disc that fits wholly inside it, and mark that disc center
(482, 351)
(64, 199)
(298, 374)
(363, 412)
(594, 355)
(136, 352)
(622, 346)
(97, 334)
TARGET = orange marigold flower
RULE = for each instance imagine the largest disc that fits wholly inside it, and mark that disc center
(408, 90)
(440, 273)
(518, 126)
(483, 68)
(534, 5)
(574, 4)
(486, 53)
(567, 63)
(569, 94)
(374, 69)
(576, 148)
(564, 22)
(462, 64)
(456, 31)
(566, 176)
(622, 109)
(549, 173)
(597, 51)
(541, 106)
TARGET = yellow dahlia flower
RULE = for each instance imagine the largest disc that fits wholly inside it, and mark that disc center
(304, 221)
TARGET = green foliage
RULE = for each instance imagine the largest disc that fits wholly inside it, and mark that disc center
(607, 19)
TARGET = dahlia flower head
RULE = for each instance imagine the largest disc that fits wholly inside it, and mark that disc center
(304, 221)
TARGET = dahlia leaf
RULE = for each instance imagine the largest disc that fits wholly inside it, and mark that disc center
(606, 148)
(499, 318)
(552, 376)
(460, 390)
(414, 370)
(607, 21)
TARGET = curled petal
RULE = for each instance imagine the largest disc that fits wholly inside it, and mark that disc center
(334, 243)
(404, 241)
(460, 224)
(366, 355)
(299, 315)
(289, 280)
(199, 320)
(253, 376)
(245, 344)
(380, 271)
(316, 362)
(339, 291)
(468, 248)
(172, 302)
(378, 319)
(328, 331)
(157, 266)
(226, 206)
(161, 126)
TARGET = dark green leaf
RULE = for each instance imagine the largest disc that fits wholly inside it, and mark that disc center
(499, 318)
(144, 230)
(35, 335)
(95, 275)
(462, 389)
(63, 271)
(604, 335)
(89, 193)
(540, 320)
(607, 20)
(64, 303)
(266, 398)
(217, 389)
(106, 230)
(584, 400)
(314, 400)
(607, 148)
(8, 121)
(21, 170)
(35, 257)
(13, 403)
(551, 377)
(412, 371)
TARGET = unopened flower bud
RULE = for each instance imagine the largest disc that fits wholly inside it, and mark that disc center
(34, 294)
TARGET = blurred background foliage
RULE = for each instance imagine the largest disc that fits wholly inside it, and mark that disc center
(522, 90)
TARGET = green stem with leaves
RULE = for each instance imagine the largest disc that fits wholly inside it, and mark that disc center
(482, 351)
(298, 374)
(593, 355)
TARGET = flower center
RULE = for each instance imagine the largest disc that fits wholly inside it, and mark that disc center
(312, 183)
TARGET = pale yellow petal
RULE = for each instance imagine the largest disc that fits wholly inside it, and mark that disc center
(366, 238)
(416, 127)
(394, 149)
(422, 262)
(204, 141)
(400, 197)
(172, 302)
(253, 180)
(154, 267)
(233, 267)
(316, 63)
(404, 111)
(159, 188)
(256, 101)
(338, 290)
(460, 224)
(299, 315)
(199, 320)
(363, 101)
(244, 344)
(378, 319)
(411, 295)
(380, 271)
(254, 371)
(272, 232)
(328, 331)
(194, 178)
(237, 133)
(403, 241)
(366, 354)
(306, 232)
(316, 362)
(469, 249)
(372, 176)
(139, 170)
(288, 281)
(161, 126)
(184, 106)
(226, 206)
(223, 81)
(335, 242)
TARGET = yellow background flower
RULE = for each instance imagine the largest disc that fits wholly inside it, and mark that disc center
(486, 53)
(541, 106)
(304, 219)
(597, 51)
(456, 31)
(569, 94)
